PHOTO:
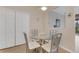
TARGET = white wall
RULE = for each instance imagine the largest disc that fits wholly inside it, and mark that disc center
(69, 30)
(68, 38)
(36, 22)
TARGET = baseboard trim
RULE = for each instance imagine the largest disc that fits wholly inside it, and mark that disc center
(11, 47)
(66, 49)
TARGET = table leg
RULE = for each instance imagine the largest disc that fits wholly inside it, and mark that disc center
(40, 49)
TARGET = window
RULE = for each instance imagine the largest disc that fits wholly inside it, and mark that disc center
(77, 23)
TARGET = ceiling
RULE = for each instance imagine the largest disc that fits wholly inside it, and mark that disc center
(30, 8)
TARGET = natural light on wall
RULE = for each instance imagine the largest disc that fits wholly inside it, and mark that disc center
(43, 8)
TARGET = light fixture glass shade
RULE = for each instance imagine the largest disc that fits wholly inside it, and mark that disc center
(43, 8)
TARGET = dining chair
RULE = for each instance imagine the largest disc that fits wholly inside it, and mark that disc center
(55, 41)
(30, 45)
(53, 45)
(34, 34)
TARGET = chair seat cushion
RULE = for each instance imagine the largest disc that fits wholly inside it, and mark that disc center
(33, 44)
(47, 47)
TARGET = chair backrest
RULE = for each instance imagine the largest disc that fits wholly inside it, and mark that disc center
(26, 41)
(34, 33)
(55, 41)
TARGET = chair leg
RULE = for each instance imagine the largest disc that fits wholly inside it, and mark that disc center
(57, 50)
(36, 50)
(27, 50)
(32, 51)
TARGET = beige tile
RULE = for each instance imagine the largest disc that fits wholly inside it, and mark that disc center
(17, 49)
(22, 49)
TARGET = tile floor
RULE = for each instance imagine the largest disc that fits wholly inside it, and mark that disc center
(21, 49)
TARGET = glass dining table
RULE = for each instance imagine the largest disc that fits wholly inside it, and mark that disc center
(42, 39)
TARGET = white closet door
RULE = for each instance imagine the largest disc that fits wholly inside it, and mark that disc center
(2, 29)
(21, 26)
(7, 31)
(10, 28)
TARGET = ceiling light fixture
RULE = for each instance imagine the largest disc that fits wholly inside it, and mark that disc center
(43, 8)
